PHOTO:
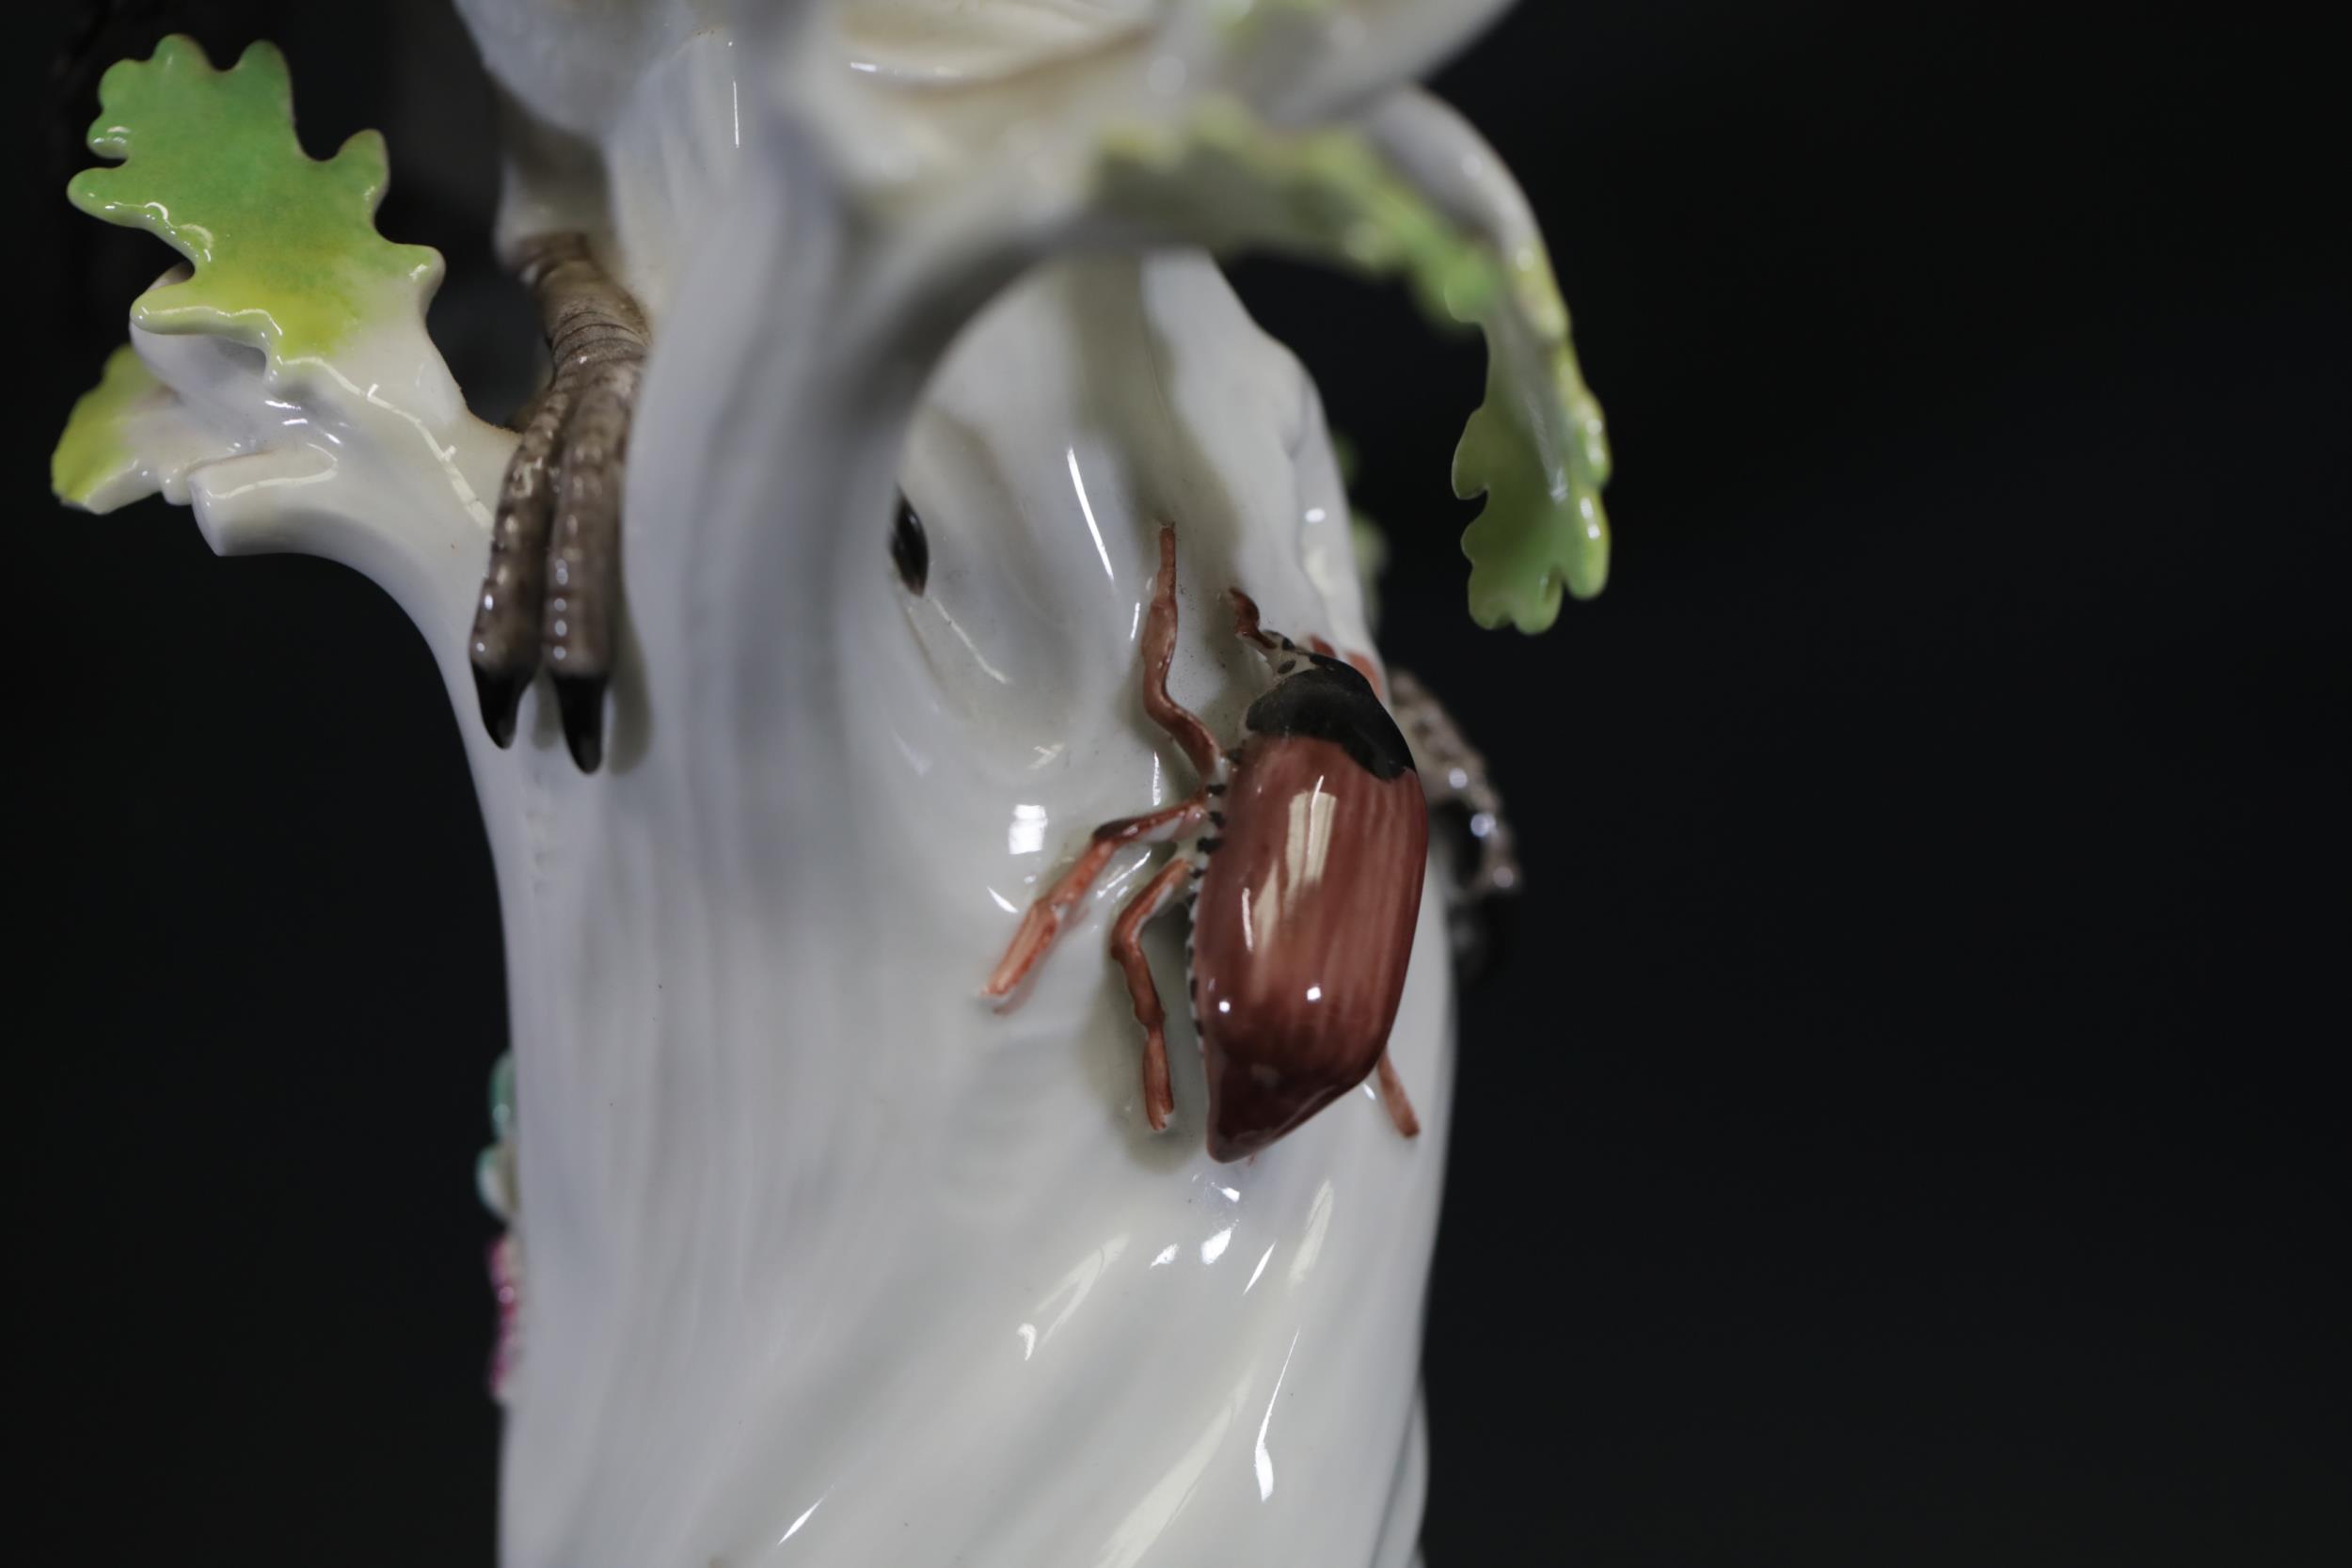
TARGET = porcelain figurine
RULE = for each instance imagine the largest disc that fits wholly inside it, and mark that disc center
(893, 384)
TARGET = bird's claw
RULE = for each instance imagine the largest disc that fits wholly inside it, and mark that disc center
(550, 591)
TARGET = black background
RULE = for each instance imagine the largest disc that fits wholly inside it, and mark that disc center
(1901, 1131)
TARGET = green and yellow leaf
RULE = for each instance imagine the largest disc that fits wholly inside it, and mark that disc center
(98, 464)
(1537, 448)
(284, 247)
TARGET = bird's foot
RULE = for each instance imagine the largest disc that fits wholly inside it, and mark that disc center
(551, 591)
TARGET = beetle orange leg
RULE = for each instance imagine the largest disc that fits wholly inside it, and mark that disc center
(1159, 652)
(1043, 921)
(1159, 1094)
(1392, 1096)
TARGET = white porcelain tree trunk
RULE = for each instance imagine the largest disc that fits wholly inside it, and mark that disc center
(808, 1227)
(826, 1260)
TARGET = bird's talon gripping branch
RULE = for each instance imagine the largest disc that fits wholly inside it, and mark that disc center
(549, 594)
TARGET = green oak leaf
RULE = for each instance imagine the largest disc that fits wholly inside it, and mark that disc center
(95, 461)
(1537, 447)
(284, 247)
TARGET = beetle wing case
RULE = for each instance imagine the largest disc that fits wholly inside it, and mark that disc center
(1306, 914)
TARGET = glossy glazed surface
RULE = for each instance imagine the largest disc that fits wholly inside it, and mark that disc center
(829, 1262)
(1301, 934)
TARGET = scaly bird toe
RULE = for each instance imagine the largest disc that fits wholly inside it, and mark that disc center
(550, 594)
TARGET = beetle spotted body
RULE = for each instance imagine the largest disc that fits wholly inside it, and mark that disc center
(1304, 882)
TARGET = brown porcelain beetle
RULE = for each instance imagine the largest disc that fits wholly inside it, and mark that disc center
(1305, 888)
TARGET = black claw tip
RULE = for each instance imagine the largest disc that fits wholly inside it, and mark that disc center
(501, 693)
(580, 700)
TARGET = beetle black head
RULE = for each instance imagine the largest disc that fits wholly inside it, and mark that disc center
(1328, 699)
